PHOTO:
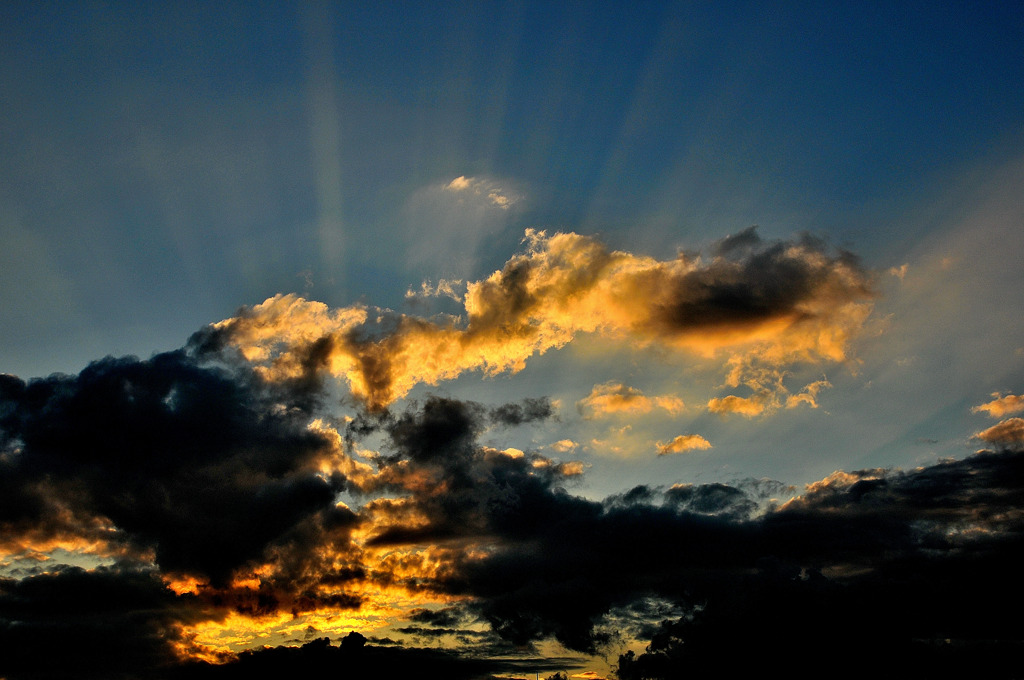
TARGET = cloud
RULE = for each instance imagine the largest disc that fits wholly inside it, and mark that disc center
(683, 443)
(351, 658)
(529, 410)
(206, 467)
(770, 393)
(1008, 433)
(716, 499)
(762, 307)
(899, 272)
(449, 288)
(100, 623)
(616, 398)
(459, 184)
(483, 188)
(138, 455)
(808, 395)
(212, 476)
(1001, 405)
(851, 541)
(747, 406)
(458, 488)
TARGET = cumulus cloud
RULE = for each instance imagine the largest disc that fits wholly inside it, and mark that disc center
(616, 398)
(1001, 405)
(761, 307)
(683, 443)
(1008, 433)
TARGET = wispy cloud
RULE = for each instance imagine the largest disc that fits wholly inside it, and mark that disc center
(489, 190)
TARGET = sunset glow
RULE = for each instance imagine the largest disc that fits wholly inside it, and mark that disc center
(479, 341)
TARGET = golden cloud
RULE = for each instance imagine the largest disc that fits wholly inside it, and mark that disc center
(1008, 433)
(1001, 405)
(783, 303)
(614, 397)
(747, 406)
(683, 442)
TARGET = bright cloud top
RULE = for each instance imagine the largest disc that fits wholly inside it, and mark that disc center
(757, 306)
(1008, 433)
(1002, 405)
(683, 443)
(613, 397)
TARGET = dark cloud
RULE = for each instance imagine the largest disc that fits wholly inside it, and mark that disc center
(932, 614)
(768, 282)
(448, 616)
(109, 622)
(206, 466)
(443, 431)
(712, 499)
(352, 658)
(527, 411)
(211, 468)
(477, 491)
(744, 241)
(559, 563)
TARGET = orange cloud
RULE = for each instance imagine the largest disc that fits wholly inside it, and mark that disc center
(808, 395)
(1008, 433)
(1001, 405)
(683, 442)
(783, 303)
(613, 397)
(747, 406)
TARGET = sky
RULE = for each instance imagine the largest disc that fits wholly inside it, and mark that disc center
(518, 339)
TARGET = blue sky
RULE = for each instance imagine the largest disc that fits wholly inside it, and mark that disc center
(167, 164)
